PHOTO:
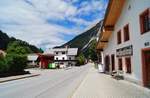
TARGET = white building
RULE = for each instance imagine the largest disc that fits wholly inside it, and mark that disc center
(32, 59)
(2, 53)
(125, 39)
(64, 56)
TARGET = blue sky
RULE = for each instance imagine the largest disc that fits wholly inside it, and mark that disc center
(49, 23)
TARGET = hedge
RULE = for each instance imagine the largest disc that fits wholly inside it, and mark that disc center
(17, 63)
(13, 63)
(3, 65)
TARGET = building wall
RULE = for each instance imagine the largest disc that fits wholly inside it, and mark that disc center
(60, 57)
(71, 56)
(59, 52)
(130, 15)
(64, 64)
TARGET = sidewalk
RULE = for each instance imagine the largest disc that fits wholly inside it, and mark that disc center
(11, 78)
(97, 85)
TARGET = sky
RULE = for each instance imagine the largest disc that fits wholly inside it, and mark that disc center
(49, 23)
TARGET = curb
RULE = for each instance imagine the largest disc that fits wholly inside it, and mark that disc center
(23, 77)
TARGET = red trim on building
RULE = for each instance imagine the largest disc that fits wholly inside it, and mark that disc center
(144, 67)
(145, 21)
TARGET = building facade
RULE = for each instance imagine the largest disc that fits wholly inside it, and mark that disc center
(64, 57)
(32, 60)
(125, 39)
(2, 53)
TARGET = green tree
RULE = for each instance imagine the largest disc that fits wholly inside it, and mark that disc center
(17, 56)
(3, 65)
(81, 59)
(17, 63)
(17, 47)
(90, 53)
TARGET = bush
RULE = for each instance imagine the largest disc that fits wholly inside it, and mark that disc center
(3, 65)
(81, 59)
(17, 63)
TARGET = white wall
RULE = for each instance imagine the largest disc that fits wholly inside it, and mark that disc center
(59, 52)
(60, 57)
(70, 56)
(130, 16)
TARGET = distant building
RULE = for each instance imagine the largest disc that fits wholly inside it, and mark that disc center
(64, 57)
(45, 59)
(2, 53)
(32, 60)
(124, 39)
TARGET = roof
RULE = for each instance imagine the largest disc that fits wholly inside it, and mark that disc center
(32, 57)
(71, 51)
(111, 16)
(59, 49)
(46, 54)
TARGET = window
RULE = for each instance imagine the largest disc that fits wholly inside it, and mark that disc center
(119, 37)
(63, 52)
(63, 58)
(145, 21)
(126, 33)
(69, 58)
(120, 63)
(128, 64)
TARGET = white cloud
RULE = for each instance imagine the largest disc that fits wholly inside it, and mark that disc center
(27, 20)
(92, 6)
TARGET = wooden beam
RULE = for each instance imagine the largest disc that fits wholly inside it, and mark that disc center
(99, 49)
(104, 41)
(109, 28)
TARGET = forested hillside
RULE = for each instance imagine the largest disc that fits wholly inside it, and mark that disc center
(5, 40)
(81, 40)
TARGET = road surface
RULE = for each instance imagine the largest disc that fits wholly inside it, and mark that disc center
(50, 84)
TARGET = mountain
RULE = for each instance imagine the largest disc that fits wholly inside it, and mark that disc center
(5, 40)
(83, 40)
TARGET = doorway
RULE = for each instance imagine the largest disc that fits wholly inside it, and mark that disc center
(146, 66)
(113, 62)
(107, 63)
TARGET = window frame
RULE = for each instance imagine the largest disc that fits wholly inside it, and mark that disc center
(143, 14)
(126, 32)
(128, 70)
(119, 37)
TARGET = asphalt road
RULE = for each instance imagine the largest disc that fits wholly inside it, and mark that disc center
(50, 84)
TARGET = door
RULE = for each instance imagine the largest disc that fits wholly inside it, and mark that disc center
(120, 63)
(107, 63)
(146, 67)
(113, 62)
